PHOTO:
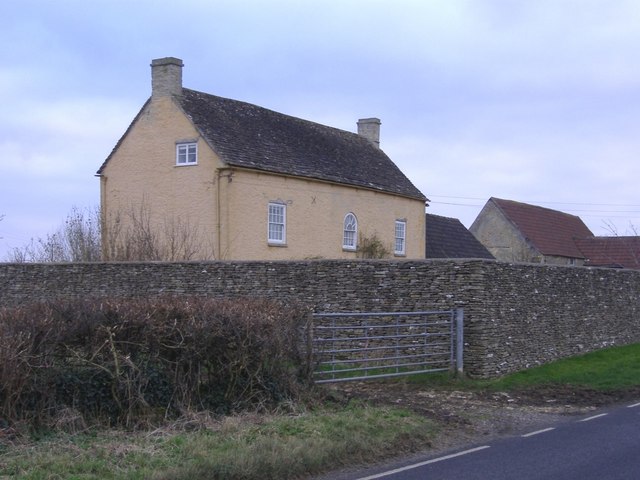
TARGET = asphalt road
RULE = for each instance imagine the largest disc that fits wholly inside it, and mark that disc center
(603, 445)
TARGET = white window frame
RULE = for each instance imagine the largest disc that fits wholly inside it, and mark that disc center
(277, 223)
(350, 232)
(186, 154)
(400, 242)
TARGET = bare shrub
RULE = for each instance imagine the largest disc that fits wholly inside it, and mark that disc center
(136, 240)
(139, 361)
(130, 236)
(77, 240)
(134, 235)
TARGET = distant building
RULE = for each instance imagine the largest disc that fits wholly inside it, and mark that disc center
(449, 238)
(612, 252)
(519, 232)
(242, 182)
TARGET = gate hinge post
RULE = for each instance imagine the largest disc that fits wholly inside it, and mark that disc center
(459, 341)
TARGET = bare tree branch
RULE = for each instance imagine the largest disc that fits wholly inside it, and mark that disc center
(137, 235)
(77, 240)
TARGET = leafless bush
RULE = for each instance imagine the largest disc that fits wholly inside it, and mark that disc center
(136, 240)
(77, 240)
(139, 361)
(135, 236)
(130, 236)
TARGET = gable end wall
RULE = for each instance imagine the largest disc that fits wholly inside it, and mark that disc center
(501, 237)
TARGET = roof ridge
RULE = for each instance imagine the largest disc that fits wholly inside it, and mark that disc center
(531, 205)
(276, 112)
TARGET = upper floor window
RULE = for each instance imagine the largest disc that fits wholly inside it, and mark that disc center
(186, 153)
(350, 232)
(277, 222)
(400, 238)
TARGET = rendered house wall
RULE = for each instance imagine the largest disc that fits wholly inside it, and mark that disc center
(501, 237)
(315, 215)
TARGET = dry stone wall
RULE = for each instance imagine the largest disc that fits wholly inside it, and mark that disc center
(516, 315)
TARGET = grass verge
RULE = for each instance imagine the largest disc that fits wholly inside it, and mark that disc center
(249, 447)
(609, 369)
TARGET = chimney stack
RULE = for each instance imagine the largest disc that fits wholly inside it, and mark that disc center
(166, 77)
(369, 128)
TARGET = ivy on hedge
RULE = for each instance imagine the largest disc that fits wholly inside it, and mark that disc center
(127, 361)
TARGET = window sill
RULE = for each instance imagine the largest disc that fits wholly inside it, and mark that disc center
(273, 244)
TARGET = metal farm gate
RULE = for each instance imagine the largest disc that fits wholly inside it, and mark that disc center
(358, 346)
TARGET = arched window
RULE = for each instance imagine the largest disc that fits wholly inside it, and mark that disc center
(350, 232)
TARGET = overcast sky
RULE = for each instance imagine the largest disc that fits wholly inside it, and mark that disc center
(535, 101)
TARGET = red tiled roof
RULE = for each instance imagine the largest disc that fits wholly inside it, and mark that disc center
(551, 232)
(619, 252)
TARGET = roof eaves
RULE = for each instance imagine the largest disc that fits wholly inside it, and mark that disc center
(341, 182)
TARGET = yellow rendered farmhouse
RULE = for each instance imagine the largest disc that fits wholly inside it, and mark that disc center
(197, 177)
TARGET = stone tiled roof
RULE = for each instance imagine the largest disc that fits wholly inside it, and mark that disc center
(551, 232)
(248, 136)
(448, 238)
(617, 252)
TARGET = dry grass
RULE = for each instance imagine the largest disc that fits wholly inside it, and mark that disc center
(248, 446)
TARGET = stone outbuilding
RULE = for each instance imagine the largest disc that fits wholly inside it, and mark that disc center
(520, 232)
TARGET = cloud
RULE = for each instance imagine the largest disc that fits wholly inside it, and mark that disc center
(49, 153)
(65, 121)
(534, 101)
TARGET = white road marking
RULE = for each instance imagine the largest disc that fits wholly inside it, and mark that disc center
(593, 418)
(634, 405)
(531, 434)
(421, 464)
